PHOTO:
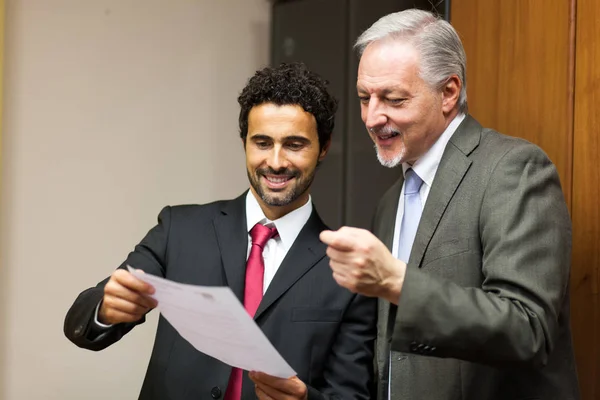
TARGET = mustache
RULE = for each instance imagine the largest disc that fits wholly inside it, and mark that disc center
(284, 172)
(384, 130)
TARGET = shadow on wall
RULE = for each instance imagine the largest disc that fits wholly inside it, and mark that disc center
(5, 245)
(4, 237)
(112, 111)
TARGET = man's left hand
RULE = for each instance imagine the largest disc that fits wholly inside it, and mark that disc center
(362, 263)
(269, 387)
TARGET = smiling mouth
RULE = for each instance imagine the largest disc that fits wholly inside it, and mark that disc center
(277, 181)
(388, 136)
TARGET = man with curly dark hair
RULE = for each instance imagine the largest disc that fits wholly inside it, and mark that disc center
(290, 84)
(287, 86)
(265, 246)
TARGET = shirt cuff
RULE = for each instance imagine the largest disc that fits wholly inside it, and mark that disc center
(96, 321)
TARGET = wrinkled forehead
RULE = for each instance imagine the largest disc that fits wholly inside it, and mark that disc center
(388, 65)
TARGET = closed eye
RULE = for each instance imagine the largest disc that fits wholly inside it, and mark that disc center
(396, 102)
(262, 144)
(295, 146)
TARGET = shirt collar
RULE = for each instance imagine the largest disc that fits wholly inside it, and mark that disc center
(426, 166)
(288, 226)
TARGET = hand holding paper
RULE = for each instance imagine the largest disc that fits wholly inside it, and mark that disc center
(270, 387)
(125, 299)
(213, 320)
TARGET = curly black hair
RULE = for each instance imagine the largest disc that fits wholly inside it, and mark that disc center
(290, 84)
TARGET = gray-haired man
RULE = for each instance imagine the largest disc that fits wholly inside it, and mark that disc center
(472, 255)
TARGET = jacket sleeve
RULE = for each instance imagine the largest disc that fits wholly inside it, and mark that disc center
(512, 318)
(149, 255)
(348, 373)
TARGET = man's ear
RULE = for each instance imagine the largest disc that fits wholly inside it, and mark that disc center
(244, 143)
(451, 93)
(324, 150)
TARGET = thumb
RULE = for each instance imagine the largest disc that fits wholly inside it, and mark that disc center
(339, 240)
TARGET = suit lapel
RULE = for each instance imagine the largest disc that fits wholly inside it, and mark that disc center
(453, 167)
(305, 253)
(232, 236)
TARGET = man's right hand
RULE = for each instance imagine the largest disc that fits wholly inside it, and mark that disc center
(125, 299)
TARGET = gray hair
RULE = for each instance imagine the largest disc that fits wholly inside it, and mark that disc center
(440, 49)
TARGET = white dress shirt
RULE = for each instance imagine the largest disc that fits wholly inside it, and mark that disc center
(426, 167)
(288, 227)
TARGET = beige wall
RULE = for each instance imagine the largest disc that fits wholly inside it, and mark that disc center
(112, 109)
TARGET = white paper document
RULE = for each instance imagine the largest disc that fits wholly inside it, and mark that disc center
(214, 321)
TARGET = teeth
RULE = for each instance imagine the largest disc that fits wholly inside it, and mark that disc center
(277, 180)
(385, 137)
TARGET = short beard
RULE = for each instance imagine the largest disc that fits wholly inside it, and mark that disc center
(294, 193)
(390, 162)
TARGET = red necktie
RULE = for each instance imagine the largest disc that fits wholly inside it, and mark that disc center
(253, 292)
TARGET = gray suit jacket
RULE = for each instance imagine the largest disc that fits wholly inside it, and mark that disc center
(484, 310)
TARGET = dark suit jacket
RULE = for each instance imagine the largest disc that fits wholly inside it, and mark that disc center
(484, 310)
(323, 331)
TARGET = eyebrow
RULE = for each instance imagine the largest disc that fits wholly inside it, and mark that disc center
(261, 136)
(298, 138)
(386, 91)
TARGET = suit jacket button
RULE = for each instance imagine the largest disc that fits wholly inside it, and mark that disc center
(79, 331)
(215, 392)
(414, 347)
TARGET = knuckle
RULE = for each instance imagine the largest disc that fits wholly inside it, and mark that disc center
(363, 247)
(119, 273)
(129, 307)
(109, 293)
(107, 301)
(139, 310)
(361, 263)
(336, 242)
(112, 286)
(109, 287)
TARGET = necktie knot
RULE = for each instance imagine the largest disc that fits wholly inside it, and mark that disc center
(261, 234)
(412, 182)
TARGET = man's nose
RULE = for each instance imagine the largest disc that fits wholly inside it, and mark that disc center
(374, 115)
(277, 159)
